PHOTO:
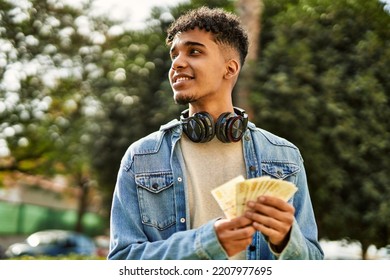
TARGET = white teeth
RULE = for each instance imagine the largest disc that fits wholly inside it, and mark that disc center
(182, 79)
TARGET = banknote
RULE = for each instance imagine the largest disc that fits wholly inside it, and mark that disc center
(233, 196)
(242, 192)
(255, 185)
(225, 195)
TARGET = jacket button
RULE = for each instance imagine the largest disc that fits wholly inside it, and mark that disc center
(252, 168)
(252, 248)
(182, 220)
(155, 186)
(179, 179)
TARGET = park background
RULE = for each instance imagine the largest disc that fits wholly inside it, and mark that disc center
(78, 87)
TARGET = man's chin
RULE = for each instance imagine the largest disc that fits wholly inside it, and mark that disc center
(182, 100)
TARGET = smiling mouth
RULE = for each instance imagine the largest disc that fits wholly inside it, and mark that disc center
(182, 79)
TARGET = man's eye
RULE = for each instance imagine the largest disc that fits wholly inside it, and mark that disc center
(194, 51)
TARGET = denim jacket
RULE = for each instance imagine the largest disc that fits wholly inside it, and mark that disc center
(150, 211)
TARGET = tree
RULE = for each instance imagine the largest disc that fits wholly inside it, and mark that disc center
(322, 83)
(250, 13)
(48, 51)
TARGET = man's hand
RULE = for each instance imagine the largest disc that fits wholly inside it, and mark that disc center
(273, 217)
(234, 235)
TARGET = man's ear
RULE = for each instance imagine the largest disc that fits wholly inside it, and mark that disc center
(232, 69)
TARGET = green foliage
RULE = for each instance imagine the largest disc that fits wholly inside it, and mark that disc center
(45, 48)
(322, 82)
(50, 52)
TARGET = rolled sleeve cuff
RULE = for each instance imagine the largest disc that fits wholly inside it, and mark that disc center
(207, 244)
(295, 248)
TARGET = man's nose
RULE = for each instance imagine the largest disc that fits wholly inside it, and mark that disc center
(179, 62)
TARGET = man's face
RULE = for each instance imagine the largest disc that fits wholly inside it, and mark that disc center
(198, 67)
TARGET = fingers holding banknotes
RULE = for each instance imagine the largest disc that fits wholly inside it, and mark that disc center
(262, 202)
(273, 217)
(234, 234)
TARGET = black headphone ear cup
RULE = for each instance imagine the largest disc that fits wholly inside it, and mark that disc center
(235, 128)
(199, 128)
(194, 129)
(220, 127)
(208, 125)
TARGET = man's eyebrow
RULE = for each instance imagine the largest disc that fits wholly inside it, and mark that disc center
(189, 44)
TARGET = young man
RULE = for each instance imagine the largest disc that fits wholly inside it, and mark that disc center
(162, 205)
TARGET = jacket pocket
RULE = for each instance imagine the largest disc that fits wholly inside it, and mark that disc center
(156, 199)
(280, 170)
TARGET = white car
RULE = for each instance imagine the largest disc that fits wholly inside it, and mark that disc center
(53, 243)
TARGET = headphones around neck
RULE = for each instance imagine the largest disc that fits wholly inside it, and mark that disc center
(229, 127)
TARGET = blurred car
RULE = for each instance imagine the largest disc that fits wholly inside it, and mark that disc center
(102, 243)
(53, 243)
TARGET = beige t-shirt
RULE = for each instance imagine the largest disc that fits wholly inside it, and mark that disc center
(209, 165)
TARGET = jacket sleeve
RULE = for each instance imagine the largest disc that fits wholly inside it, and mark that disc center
(303, 243)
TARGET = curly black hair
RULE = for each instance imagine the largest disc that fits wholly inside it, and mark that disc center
(226, 28)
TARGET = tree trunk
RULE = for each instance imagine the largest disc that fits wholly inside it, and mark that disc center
(83, 184)
(249, 12)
